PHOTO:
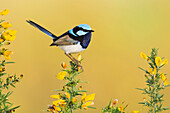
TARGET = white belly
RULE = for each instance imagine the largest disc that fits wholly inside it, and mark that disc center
(72, 48)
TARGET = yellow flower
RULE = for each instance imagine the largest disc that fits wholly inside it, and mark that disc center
(158, 61)
(6, 54)
(79, 57)
(57, 109)
(87, 98)
(120, 108)
(90, 97)
(9, 35)
(61, 75)
(162, 76)
(152, 71)
(6, 25)
(59, 102)
(74, 100)
(55, 96)
(166, 83)
(4, 12)
(135, 111)
(83, 97)
(143, 55)
(1, 40)
(164, 62)
(54, 108)
(87, 104)
(67, 95)
(155, 70)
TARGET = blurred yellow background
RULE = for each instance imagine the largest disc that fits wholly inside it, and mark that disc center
(123, 28)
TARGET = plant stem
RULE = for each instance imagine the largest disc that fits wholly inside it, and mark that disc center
(71, 111)
(154, 95)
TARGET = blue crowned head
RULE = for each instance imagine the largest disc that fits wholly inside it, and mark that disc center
(80, 30)
(85, 26)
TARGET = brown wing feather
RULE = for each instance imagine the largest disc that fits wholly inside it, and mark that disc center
(65, 40)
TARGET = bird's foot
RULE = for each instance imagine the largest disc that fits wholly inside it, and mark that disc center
(75, 61)
(80, 67)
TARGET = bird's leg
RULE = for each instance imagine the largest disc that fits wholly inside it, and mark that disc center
(74, 60)
(70, 57)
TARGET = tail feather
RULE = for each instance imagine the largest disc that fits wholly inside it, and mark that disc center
(42, 29)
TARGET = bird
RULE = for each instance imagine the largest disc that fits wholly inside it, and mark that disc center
(72, 41)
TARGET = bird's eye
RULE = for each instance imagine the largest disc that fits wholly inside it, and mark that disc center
(75, 30)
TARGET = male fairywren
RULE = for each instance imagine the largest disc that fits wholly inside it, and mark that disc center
(75, 40)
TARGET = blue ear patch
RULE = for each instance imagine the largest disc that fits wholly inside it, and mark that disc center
(81, 33)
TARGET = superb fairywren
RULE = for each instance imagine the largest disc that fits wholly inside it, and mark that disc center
(73, 41)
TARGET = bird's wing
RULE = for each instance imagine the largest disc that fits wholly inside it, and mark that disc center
(41, 29)
(64, 40)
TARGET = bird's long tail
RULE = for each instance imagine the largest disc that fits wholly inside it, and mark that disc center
(42, 29)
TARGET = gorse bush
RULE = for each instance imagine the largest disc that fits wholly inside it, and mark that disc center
(6, 80)
(71, 96)
(156, 81)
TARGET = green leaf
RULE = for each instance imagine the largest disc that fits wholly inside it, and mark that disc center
(14, 108)
(8, 62)
(2, 21)
(91, 107)
(166, 85)
(140, 89)
(12, 85)
(141, 103)
(143, 70)
(2, 74)
(83, 82)
(58, 90)
(8, 94)
(110, 102)
(81, 91)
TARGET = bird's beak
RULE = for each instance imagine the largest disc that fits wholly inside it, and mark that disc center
(91, 30)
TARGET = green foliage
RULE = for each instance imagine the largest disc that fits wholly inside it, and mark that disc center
(71, 97)
(155, 82)
(6, 80)
(113, 108)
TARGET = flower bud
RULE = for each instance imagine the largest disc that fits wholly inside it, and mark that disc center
(1, 69)
(64, 65)
(1, 40)
(143, 55)
(80, 88)
(7, 43)
(3, 50)
(21, 76)
(115, 101)
(78, 67)
(79, 57)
